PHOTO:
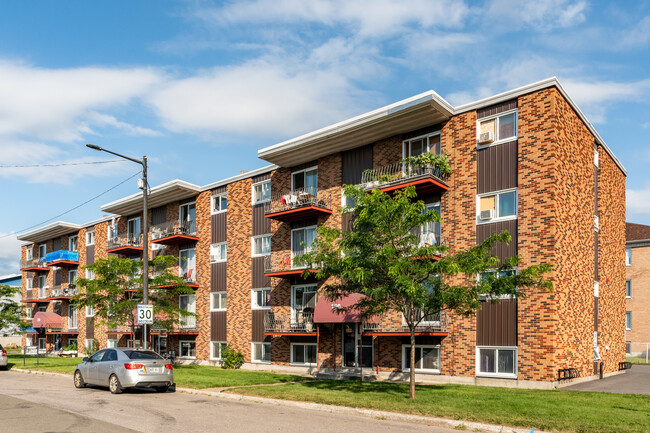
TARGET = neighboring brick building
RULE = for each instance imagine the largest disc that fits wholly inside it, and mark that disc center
(637, 289)
(525, 160)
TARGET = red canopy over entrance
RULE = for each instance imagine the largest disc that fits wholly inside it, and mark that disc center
(47, 320)
(331, 312)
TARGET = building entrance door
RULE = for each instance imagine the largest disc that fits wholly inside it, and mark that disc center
(356, 351)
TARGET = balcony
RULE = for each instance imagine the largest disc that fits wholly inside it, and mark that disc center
(432, 325)
(62, 258)
(34, 265)
(126, 245)
(174, 233)
(426, 180)
(301, 323)
(283, 266)
(299, 204)
(63, 292)
(188, 276)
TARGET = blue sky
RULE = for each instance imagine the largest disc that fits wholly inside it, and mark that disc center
(199, 86)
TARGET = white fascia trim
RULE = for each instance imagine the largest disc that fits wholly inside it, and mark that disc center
(356, 122)
(638, 243)
(101, 220)
(246, 175)
(43, 230)
(155, 190)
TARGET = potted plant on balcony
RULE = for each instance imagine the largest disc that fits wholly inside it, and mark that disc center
(437, 163)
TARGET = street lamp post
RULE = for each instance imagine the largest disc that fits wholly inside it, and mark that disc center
(145, 230)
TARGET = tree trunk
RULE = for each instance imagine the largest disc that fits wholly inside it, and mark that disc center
(412, 369)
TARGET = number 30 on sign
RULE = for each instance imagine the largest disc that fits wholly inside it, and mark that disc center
(145, 314)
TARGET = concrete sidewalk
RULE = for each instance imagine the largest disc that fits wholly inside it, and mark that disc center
(635, 381)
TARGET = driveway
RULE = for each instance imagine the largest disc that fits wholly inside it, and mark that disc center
(634, 381)
(144, 411)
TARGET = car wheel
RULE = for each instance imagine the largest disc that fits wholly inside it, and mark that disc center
(78, 380)
(114, 385)
(161, 388)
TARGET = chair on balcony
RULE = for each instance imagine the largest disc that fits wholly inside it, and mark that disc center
(428, 239)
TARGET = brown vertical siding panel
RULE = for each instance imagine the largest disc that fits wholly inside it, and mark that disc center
(158, 215)
(502, 251)
(354, 163)
(187, 200)
(596, 257)
(218, 326)
(305, 165)
(261, 224)
(496, 109)
(497, 167)
(258, 325)
(220, 190)
(90, 329)
(218, 277)
(347, 222)
(219, 222)
(262, 177)
(90, 254)
(496, 324)
(56, 244)
(257, 269)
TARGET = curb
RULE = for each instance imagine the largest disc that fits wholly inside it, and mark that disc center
(370, 413)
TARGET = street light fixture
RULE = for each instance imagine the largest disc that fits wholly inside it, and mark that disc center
(145, 229)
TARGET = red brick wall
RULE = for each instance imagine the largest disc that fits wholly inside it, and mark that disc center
(203, 271)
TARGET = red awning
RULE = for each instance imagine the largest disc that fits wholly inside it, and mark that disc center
(327, 311)
(47, 320)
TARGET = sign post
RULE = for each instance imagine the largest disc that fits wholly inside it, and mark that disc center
(145, 317)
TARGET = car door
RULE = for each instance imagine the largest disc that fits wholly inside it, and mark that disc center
(92, 367)
(106, 367)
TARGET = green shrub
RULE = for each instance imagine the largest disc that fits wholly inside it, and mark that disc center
(71, 346)
(231, 358)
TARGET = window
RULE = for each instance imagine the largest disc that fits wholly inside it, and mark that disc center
(42, 286)
(72, 276)
(29, 253)
(111, 343)
(111, 231)
(628, 256)
(429, 233)
(187, 264)
(187, 349)
(628, 288)
(219, 203)
(90, 311)
(303, 302)
(42, 308)
(29, 283)
(73, 242)
(261, 352)
(427, 358)
(501, 127)
(419, 145)
(90, 274)
(218, 301)
(218, 252)
(262, 192)
(628, 348)
(497, 206)
(41, 344)
(628, 320)
(215, 349)
(496, 362)
(42, 251)
(301, 240)
(484, 277)
(90, 343)
(187, 217)
(261, 245)
(303, 353)
(261, 298)
(134, 229)
(28, 314)
(305, 180)
(90, 238)
(72, 341)
(72, 317)
(187, 303)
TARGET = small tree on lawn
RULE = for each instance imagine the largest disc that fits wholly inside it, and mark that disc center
(116, 290)
(10, 310)
(383, 258)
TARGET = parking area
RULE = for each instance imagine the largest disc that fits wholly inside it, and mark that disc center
(634, 381)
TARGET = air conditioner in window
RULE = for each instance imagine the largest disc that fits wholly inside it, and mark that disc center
(487, 214)
(486, 137)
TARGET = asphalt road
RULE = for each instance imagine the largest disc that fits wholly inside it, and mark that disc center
(634, 381)
(43, 403)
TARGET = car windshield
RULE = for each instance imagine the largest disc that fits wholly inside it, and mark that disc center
(142, 354)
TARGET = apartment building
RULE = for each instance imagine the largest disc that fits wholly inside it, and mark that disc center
(637, 289)
(526, 160)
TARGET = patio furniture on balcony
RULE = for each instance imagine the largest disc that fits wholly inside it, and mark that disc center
(302, 323)
(125, 245)
(174, 232)
(296, 205)
(283, 266)
(396, 176)
(431, 325)
(35, 265)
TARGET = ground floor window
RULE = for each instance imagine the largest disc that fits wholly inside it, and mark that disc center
(187, 349)
(427, 358)
(90, 343)
(628, 347)
(215, 349)
(111, 343)
(41, 344)
(261, 352)
(303, 353)
(72, 341)
(28, 341)
(496, 362)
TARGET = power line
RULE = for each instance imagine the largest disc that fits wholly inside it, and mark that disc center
(62, 164)
(74, 208)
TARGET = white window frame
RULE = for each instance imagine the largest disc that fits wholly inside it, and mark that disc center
(42, 340)
(73, 339)
(628, 320)
(260, 185)
(29, 253)
(70, 273)
(405, 347)
(260, 361)
(190, 320)
(497, 374)
(72, 317)
(111, 231)
(29, 313)
(307, 247)
(303, 171)
(29, 283)
(76, 243)
(43, 247)
(628, 345)
(628, 256)
(90, 237)
(128, 227)
(260, 238)
(497, 140)
(304, 345)
(497, 218)
(254, 304)
(180, 349)
(218, 301)
(180, 263)
(293, 297)
(90, 311)
(90, 274)
(220, 197)
(628, 289)
(219, 346)
(407, 143)
(111, 343)
(222, 248)
(485, 296)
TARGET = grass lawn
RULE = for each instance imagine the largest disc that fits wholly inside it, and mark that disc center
(637, 359)
(189, 376)
(566, 411)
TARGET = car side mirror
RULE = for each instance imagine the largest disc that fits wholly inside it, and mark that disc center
(84, 359)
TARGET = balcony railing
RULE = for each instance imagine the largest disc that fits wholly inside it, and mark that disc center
(64, 291)
(295, 204)
(128, 241)
(396, 175)
(301, 322)
(173, 228)
(62, 257)
(35, 265)
(432, 323)
(284, 264)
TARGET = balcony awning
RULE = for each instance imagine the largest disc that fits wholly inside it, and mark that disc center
(29, 330)
(330, 312)
(47, 320)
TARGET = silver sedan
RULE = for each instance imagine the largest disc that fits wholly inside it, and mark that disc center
(125, 368)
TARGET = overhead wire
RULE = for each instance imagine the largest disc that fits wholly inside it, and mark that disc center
(61, 164)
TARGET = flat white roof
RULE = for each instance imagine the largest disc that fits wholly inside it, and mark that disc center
(49, 231)
(159, 195)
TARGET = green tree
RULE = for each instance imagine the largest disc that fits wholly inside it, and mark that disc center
(116, 290)
(384, 259)
(10, 310)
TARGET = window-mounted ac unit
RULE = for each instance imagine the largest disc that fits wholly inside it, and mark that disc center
(486, 137)
(487, 214)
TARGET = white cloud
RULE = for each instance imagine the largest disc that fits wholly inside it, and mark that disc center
(638, 201)
(636, 36)
(9, 254)
(540, 15)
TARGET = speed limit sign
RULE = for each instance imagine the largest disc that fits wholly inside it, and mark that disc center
(145, 314)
